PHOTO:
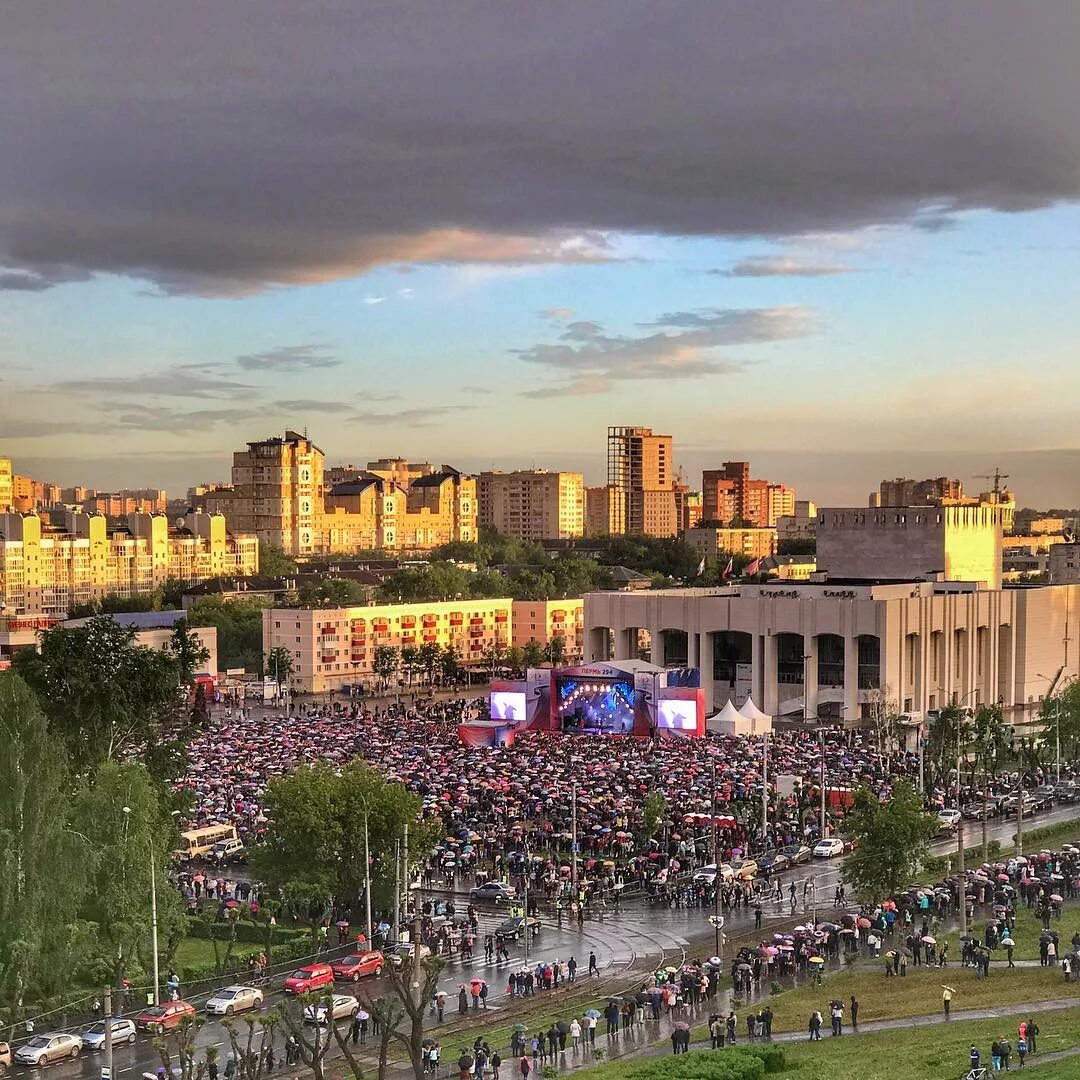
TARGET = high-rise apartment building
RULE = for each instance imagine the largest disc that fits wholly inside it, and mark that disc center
(601, 513)
(905, 492)
(729, 495)
(46, 570)
(532, 504)
(7, 491)
(641, 470)
(278, 493)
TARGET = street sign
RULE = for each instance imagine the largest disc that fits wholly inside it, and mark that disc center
(717, 921)
(106, 1072)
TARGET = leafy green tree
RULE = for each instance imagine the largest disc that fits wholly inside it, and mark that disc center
(409, 662)
(532, 653)
(274, 563)
(115, 604)
(279, 665)
(385, 663)
(891, 840)
(555, 650)
(317, 815)
(332, 592)
(239, 629)
(494, 656)
(948, 732)
(1060, 715)
(450, 664)
(172, 593)
(106, 697)
(990, 744)
(44, 862)
(653, 810)
(515, 658)
(121, 847)
(428, 658)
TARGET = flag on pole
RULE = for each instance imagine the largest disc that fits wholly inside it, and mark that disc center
(728, 569)
(752, 568)
(700, 567)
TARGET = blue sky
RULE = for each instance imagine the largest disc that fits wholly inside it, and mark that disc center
(837, 243)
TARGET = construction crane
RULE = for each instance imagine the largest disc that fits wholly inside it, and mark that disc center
(997, 476)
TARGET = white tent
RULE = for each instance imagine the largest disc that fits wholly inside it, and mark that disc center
(728, 721)
(759, 722)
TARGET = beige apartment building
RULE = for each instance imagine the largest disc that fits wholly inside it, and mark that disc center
(7, 488)
(717, 544)
(532, 504)
(641, 474)
(335, 647)
(278, 493)
(45, 570)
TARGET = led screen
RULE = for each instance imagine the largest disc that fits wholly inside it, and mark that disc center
(507, 705)
(677, 715)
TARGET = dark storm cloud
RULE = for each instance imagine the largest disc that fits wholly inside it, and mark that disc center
(224, 148)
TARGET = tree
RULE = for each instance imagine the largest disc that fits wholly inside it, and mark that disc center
(107, 698)
(428, 658)
(274, 563)
(532, 653)
(412, 986)
(653, 811)
(385, 663)
(891, 840)
(494, 655)
(450, 664)
(1060, 715)
(515, 658)
(239, 629)
(555, 652)
(189, 652)
(317, 814)
(279, 665)
(887, 723)
(990, 741)
(947, 735)
(332, 592)
(44, 861)
(409, 662)
(121, 845)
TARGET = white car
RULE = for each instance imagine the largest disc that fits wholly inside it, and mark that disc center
(706, 875)
(949, 818)
(123, 1031)
(826, 849)
(234, 999)
(342, 1006)
(42, 1049)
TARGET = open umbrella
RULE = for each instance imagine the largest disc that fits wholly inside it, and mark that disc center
(593, 1014)
(520, 1029)
(681, 1025)
(929, 940)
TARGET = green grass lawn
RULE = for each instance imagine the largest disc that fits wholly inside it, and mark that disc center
(930, 1053)
(917, 994)
(199, 952)
(1026, 933)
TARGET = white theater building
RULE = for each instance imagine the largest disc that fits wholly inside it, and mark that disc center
(837, 648)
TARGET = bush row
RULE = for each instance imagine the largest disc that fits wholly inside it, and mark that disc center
(733, 1063)
(247, 933)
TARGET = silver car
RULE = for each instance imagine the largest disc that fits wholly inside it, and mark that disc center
(43, 1049)
(342, 1006)
(123, 1031)
(234, 999)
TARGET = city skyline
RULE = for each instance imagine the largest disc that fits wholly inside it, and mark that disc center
(429, 244)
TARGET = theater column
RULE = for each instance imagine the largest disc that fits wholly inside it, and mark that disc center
(850, 715)
(771, 689)
(705, 654)
(810, 677)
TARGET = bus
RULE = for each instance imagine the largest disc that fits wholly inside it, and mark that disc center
(195, 843)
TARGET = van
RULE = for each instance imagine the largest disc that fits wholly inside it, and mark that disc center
(196, 843)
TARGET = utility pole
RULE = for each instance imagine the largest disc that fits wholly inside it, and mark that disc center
(717, 877)
(106, 1072)
(821, 732)
(397, 889)
(367, 879)
(960, 830)
(764, 788)
(573, 841)
(405, 879)
(1020, 814)
(525, 900)
(153, 927)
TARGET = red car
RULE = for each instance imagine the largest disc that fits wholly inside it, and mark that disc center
(164, 1017)
(356, 965)
(308, 978)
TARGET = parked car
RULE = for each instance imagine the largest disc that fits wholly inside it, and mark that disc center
(403, 951)
(797, 853)
(164, 1017)
(827, 848)
(497, 891)
(950, 818)
(356, 965)
(43, 1049)
(973, 811)
(772, 863)
(227, 851)
(234, 999)
(123, 1031)
(706, 875)
(515, 927)
(1043, 798)
(308, 978)
(1065, 791)
(5, 1055)
(342, 1006)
